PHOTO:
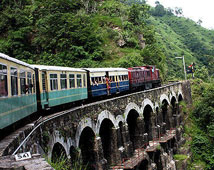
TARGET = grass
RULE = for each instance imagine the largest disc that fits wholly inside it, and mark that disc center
(63, 163)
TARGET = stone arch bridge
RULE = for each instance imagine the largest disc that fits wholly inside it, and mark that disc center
(106, 133)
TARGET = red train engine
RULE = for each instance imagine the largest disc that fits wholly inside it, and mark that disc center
(144, 77)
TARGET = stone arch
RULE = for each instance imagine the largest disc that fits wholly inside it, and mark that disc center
(147, 102)
(147, 116)
(165, 114)
(57, 138)
(156, 106)
(102, 116)
(164, 97)
(158, 120)
(132, 106)
(133, 120)
(180, 96)
(119, 119)
(86, 122)
(87, 147)
(106, 135)
(58, 152)
(172, 95)
(120, 128)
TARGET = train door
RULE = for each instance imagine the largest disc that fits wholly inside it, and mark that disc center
(44, 91)
(117, 83)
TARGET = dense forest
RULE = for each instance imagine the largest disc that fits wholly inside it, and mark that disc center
(116, 33)
(79, 33)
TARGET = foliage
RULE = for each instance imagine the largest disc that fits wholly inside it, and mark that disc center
(202, 73)
(203, 132)
(63, 163)
(77, 33)
(87, 34)
(159, 10)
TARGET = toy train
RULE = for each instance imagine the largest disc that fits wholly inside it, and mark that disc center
(25, 89)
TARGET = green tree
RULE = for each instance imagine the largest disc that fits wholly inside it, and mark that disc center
(159, 10)
(202, 73)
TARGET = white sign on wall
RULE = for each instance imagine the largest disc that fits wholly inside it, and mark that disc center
(23, 156)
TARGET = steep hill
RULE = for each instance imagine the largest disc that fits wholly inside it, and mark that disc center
(102, 33)
(181, 36)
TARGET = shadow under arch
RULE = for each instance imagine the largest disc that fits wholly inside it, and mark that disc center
(180, 98)
(165, 116)
(133, 127)
(58, 153)
(144, 165)
(147, 121)
(105, 133)
(86, 145)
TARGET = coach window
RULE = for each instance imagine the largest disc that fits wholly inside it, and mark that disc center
(53, 81)
(71, 80)
(3, 81)
(120, 78)
(22, 76)
(79, 80)
(29, 82)
(14, 81)
(112, 78)
(63, 81)
(126, 77)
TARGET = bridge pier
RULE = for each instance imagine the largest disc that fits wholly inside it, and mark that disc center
(101, 162)
(127, 143)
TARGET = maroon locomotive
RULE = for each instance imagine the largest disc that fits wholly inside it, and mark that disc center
(144, 77)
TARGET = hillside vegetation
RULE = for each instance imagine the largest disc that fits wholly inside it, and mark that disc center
(79, 33)
(181, 36)
(103, 33)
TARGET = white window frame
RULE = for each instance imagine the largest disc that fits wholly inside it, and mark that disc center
(3, 74)
(79, 80)
(53, 81)
(72, 79)
(16, 76)
(22, 87)
(63, 79)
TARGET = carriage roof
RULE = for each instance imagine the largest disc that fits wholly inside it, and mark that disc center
(6, 57)
(106, 69)
(58, 68)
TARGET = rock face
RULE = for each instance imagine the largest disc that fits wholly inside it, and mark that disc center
(136, 131)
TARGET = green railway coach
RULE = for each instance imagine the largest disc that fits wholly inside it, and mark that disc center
(17, 90)
(60, 85)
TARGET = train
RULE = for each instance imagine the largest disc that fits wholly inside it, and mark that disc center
(26, 89)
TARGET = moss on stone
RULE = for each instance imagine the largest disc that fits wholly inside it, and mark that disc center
(180, 157)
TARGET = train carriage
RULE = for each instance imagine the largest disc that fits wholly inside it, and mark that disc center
(17, 90)
(105, 81)
(60, 85)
